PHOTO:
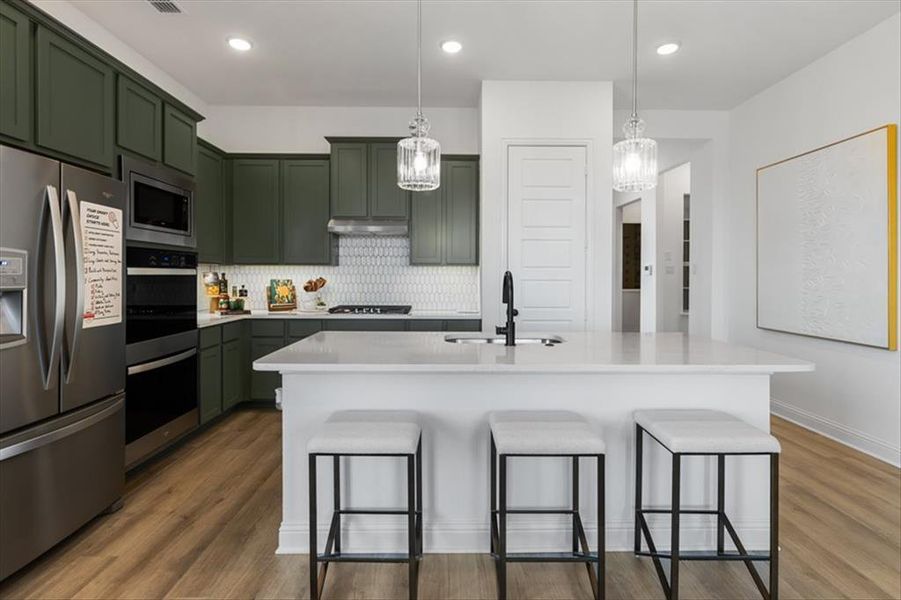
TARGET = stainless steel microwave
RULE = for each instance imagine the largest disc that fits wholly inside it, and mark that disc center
(160, 204)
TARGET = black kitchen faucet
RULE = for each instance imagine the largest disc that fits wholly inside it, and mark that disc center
(509, 331)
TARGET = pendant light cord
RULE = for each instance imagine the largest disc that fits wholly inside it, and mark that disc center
(635, 59)
(419, 58)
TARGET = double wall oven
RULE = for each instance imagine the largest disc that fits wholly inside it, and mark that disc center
(161, 351)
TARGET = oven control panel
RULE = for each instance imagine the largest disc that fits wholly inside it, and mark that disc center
(160, 259)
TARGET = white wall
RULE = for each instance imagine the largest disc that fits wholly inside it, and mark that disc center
(855, 393)
(302, 129)
(68, 14)
(672, 185)
(547, 112)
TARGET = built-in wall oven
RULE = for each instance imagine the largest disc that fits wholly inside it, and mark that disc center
(161, 350)
(160, 203)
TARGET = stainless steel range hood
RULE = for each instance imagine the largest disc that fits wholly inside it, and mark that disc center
(382, 227)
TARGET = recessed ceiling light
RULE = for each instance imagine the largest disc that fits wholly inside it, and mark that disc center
(668, 48)
(239, 44)
(451, 46)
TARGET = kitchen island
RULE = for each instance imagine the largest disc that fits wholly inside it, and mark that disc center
(603, 376)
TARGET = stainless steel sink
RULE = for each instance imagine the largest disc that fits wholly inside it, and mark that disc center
(549, 341)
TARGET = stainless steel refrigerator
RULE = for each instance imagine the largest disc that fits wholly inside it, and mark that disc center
(62, 351)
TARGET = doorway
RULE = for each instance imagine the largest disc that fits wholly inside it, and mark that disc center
(630, 266)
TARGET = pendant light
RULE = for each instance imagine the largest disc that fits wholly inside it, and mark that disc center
(634, 158)
(419, 156)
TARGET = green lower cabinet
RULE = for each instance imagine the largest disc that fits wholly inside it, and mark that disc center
(364, 325)
(15, 74)
(210, 366)
(232, 380)
(463, 325)
(425, 325)
(75, 100)
(263, 383)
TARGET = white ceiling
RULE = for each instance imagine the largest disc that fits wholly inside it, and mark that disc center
(362, 52)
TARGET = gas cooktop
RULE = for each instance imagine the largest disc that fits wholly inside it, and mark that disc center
(370, 309)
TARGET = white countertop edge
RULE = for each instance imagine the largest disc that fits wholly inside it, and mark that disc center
(205, 319)
(291, 369)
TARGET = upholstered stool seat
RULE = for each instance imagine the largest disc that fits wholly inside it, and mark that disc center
(367, 432)
(543, 432)
(534, 435)
(705, 432)
(375, 433)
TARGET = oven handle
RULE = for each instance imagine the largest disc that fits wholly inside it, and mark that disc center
(162, 362)
(160, 271)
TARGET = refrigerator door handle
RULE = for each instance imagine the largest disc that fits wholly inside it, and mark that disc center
(59, 264)
(74, 217)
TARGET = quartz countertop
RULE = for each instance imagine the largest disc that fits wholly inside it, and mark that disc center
(581, 352)
(207, 319)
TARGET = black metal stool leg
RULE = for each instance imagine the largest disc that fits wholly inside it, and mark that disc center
(502, 532)
(314, 567)
(774, 527)
(492, 468)
(601, 592)
(674, 544)
(575, 503)
(639, 467)
(419, 510)
(411, 525)
(336, 476)
(720, 503)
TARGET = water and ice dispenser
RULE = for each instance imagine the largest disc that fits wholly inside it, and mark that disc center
(13, 297)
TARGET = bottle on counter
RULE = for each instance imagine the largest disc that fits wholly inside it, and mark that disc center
(223, 284)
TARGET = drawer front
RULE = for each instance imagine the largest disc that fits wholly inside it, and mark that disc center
(210, 336)
(426, 325)
(365, 325)
(267, 328)
(302, 329)
(232, 331)
(463, 325)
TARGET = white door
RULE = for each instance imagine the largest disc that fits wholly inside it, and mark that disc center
(546, 236)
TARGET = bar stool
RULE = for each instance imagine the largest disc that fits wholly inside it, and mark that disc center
(545, 434)
(705, 433)
(382, 433)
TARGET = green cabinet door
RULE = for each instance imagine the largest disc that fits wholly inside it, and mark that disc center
(232, 380)
(139, 119)
(255, 211)
(209, 205)
(210, 366)
(75, 100)
(427, 227)
(460, 179)
(15, 74)
(263, 383)
(385, 198)
(348, 180)
(364, 325)
(305, 212)
(179, 139)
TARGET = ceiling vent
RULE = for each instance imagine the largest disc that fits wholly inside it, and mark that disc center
(165, 6)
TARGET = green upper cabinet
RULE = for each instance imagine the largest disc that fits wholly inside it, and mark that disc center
(461, 212)
(255, 211)
(444, 224)
(15, 74)
(427, 227)
(179, 139)
(348, 180)
(385, 198)
(210, 205)
(75, 100)
(139, 119)
(305, 212)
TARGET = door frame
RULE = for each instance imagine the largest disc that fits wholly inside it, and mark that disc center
(591, 215)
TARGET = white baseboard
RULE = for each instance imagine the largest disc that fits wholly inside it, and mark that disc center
(838, 432)
(293, 538)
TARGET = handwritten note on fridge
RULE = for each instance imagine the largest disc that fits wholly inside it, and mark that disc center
(101, 235)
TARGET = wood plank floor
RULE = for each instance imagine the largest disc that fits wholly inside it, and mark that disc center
(202, 522)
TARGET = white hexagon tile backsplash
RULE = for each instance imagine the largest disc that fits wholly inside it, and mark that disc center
(371, 270)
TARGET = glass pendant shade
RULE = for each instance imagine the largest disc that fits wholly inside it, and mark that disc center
(634, 159)
(419, 159)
